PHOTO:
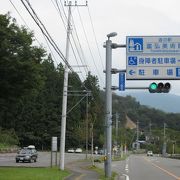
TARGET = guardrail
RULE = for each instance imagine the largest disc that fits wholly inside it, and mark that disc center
(174, 156)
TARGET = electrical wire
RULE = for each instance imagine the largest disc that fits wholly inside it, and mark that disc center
(75, 30)
(22, 19)
(78, 52)
(30, 30)
(45, 32)
(95, 38)
(77, 38)
(83, 57)
(89, 46)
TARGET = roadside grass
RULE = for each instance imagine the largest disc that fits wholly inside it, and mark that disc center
(118, 158)
(114, 158)
(101, 173)
(32, 173)
(3, 145)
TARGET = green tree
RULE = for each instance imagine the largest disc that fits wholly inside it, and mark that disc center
(20, 68)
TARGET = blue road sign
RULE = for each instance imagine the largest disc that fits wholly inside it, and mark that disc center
(178, 72)
(135, 44)
(132, 60)
(153, 57)
(121, 81)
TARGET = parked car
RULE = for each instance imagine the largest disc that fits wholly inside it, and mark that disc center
(27, 155)
(149, 153)
(78, 150)
(71, 150)
(101, 151)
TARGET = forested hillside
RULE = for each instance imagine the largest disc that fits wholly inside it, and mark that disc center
(31, 92)
(31, 99)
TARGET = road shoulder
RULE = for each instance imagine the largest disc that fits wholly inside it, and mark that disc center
(80, 171)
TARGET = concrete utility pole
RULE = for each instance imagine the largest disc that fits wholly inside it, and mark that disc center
(92, 143)
(164, 141)
(150, 130)
(65, 88)
(137, 136)
(87, 125)
(117, 118)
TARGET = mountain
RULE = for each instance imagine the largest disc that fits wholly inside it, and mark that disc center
(163, 101)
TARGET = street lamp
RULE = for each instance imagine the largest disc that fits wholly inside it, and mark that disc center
(111, 34)
(108, 104)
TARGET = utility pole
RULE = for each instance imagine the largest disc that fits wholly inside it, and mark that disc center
(87, 124)
(137, 136)
(164, 141)
(92, 143)
(65, 88)
(150, 132)
(117, 118)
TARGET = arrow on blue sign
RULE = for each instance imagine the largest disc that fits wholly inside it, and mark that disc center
(131, 72)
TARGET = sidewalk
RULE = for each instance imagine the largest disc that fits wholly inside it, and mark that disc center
(80, 171)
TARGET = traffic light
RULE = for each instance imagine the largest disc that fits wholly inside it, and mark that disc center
(159, 87)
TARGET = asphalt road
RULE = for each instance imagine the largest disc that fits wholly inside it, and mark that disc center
(138, 167)
(44, 159)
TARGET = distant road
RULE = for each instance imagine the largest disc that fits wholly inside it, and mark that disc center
(8, 159)
(138, 167)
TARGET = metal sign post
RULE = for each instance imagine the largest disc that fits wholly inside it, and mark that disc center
(53, 149)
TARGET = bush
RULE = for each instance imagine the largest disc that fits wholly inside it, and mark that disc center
(8, 138)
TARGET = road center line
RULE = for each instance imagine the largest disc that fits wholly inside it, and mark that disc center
(166, 171)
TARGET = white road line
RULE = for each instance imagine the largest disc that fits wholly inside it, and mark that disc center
(126, 168)
(127, 177)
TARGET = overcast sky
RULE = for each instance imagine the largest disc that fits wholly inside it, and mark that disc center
(126, 17)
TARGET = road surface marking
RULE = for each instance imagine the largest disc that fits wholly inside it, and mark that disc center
(79, 177)
(126, 168)
(166, 171)
(127, 177)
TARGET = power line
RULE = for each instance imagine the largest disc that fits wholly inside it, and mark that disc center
(30, 30)
(77, 37)
(22, 19)
(83, 56)
(95, 39)
(89, 45)
(56, 5)
(73, 36)
(45, 32)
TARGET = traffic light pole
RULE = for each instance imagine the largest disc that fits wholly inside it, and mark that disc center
(108, 102)
(108, 113)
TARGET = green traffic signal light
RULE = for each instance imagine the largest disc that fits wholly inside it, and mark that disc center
(153, 87)
(160, 87)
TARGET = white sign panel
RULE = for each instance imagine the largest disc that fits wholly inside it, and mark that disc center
(54, 144)
(153, 57)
